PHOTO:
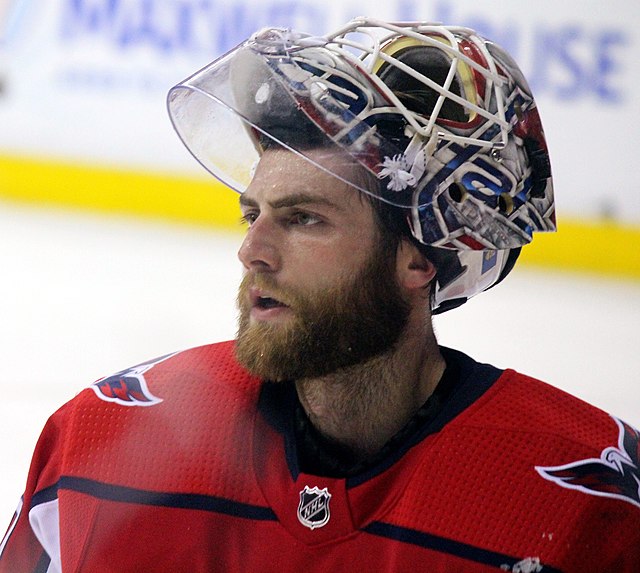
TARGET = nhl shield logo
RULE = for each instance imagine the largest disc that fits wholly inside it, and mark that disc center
(313, 510)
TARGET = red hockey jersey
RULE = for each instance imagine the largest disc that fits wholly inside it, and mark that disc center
(186, 464)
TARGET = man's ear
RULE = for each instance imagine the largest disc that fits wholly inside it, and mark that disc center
(413, 269)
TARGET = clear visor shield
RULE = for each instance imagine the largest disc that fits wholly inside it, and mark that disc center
(231, 111)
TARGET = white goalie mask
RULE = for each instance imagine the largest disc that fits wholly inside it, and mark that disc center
(441, 118)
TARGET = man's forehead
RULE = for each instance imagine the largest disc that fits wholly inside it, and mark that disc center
(281, 173)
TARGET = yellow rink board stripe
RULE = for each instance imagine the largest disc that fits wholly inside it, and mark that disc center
(163, 196)
(604, 248)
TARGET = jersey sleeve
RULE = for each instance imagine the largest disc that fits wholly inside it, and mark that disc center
(31, 543)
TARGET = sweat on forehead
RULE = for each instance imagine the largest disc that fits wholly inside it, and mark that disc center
(319, 170)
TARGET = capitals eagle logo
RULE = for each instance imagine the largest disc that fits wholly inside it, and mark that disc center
(615, 474)
(129, 387)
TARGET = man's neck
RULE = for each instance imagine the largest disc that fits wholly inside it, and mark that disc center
(362, 407)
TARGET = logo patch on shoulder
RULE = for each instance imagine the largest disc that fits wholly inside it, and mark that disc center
(615, 474)
(129, 387)
(313, 509)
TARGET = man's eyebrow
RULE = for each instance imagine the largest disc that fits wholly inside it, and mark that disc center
(291, 201)
(246, 201)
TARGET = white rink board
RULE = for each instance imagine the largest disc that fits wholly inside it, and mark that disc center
(83, 296)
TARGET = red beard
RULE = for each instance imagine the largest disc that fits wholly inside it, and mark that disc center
(328, 330)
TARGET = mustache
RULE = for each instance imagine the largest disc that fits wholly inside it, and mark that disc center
(265, 283)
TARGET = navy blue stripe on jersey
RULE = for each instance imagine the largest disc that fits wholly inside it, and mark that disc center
(48, 494)
(450, 547)
(43, 563)
(200, 502)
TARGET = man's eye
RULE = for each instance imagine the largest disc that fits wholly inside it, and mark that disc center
(303, 218)
(248, 218)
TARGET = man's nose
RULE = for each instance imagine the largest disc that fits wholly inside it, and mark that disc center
(258, 250)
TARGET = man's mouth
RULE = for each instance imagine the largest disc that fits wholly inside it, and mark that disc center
(265, 302)
(268, 302)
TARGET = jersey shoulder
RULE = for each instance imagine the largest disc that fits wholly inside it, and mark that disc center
(552, 470)
(523, 404)
(165, 424)
(177, 376)
(570, 442)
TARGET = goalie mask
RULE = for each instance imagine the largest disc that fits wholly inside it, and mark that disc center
(441, 120)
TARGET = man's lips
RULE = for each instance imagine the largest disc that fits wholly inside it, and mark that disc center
(262, 299)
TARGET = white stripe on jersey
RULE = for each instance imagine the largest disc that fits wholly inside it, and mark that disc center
(12, 525)
(45, 522)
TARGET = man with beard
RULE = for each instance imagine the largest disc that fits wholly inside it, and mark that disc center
(387, 172)
(336, 302)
